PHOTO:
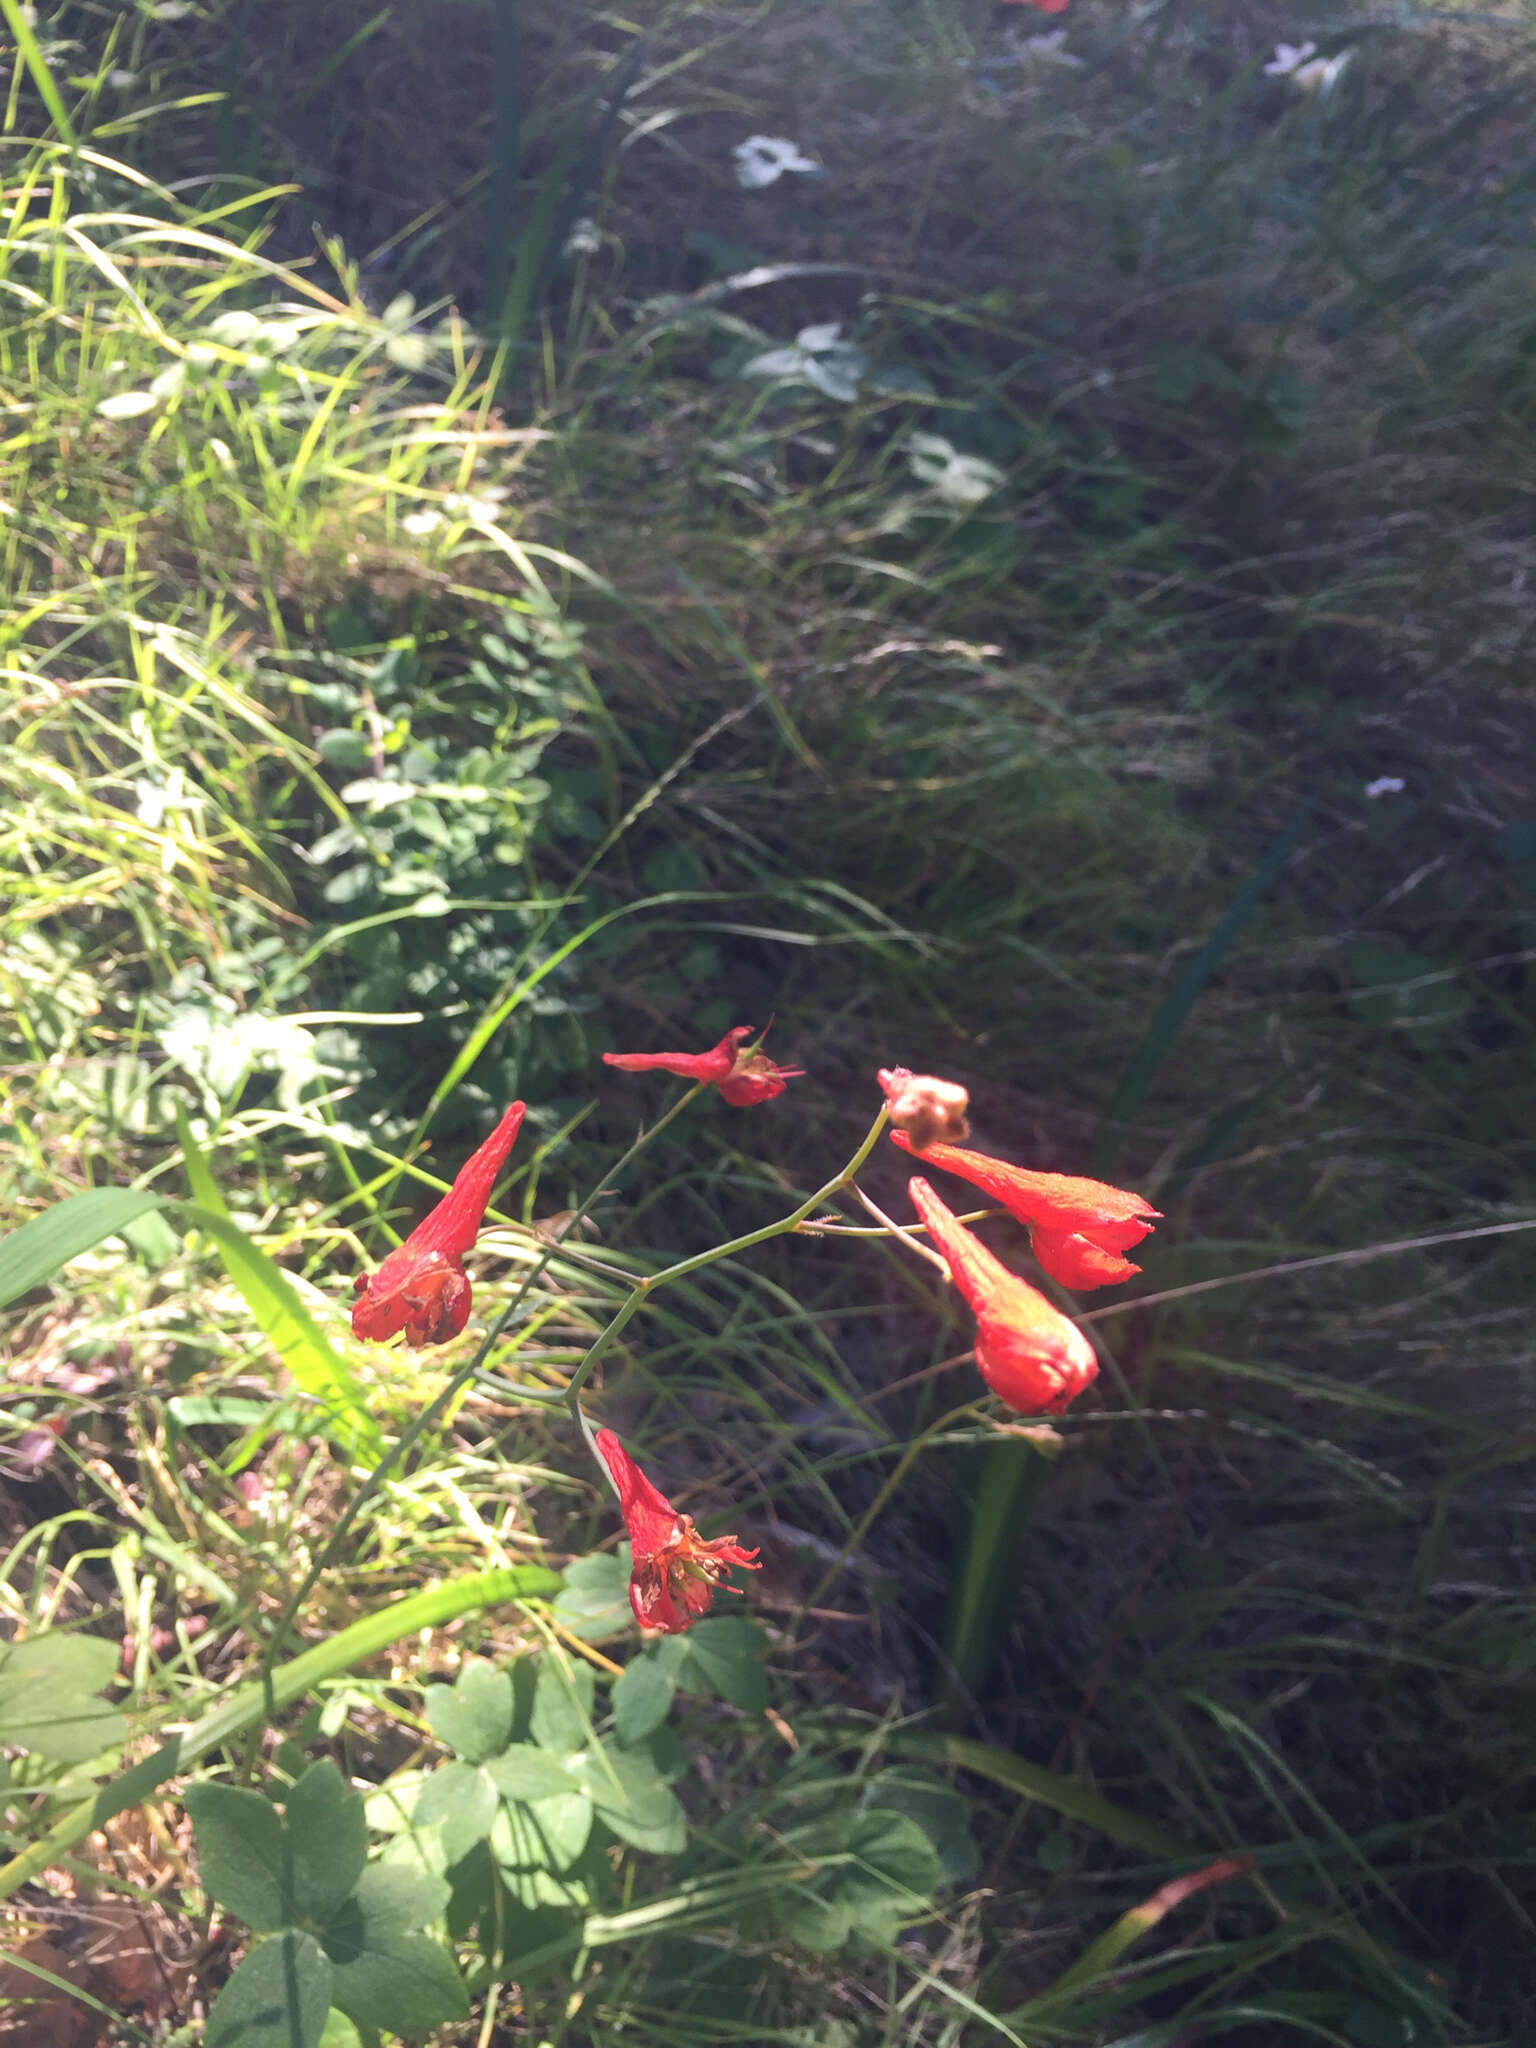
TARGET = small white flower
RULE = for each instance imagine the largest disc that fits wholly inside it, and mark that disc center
(482, 507)
(1307, 71)
(960, 480)
(1287, 56)
(151, 804)
(818, 357)
(121, 80)
(1048, 50)
(763, 159)
(418, 524)
(1386, 785)
(585, 239)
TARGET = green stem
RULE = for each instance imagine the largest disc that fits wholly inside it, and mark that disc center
(249, 1704)
(643, 1289)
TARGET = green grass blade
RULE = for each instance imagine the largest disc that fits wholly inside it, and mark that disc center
(36, 1251)
(1065, 1796)
(982, 1585)
(280, 1315)
(1136, 1081)
(16, 21)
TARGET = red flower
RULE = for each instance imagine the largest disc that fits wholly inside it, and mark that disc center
(675, 1570)
(1041, 6)
(1026, 1351)
(422, 1287)
(1077, 1227)
(742, 1077)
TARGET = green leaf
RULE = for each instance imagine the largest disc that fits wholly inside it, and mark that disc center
(524, 1773)
(34, 1253)
(561, 1721)
(642, 1698)
(280, 1315)
(410, 1986)
(474, 1715)
(327, 1840)
(278, 1998)
(631, 1798)
(339, 2031)
(45, 1703)
(393, 1896)
(725, 1655)
(593, 1602)
(533, 1844)
(942, 1813)
(386, 1974)
(459, 1799)
(877, 1871)
(241, 1856)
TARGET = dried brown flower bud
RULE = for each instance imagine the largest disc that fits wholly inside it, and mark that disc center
(926, 1108)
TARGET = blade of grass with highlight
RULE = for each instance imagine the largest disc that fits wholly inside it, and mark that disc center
(37, 66)
(279, 1313)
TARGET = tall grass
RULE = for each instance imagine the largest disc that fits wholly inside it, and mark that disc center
(380, 706)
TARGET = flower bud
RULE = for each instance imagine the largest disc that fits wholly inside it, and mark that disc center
(926, 1108)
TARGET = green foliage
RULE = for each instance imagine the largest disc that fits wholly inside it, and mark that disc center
(953, 677)
(345, 1933)
(46, 1707)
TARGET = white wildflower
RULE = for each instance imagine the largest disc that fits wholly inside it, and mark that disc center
(763, 159)
(960, 480)
(419, 524)
(1386, 785)
(1287, 56)
(1307, 71)
(819, 357)
(585, 239)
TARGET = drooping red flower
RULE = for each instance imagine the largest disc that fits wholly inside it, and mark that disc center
(1077, 1227)
(742, 1077)
(1028, 1353)
(422, 1287)
(675, 1570)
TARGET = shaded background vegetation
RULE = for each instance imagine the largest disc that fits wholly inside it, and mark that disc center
(469, 663)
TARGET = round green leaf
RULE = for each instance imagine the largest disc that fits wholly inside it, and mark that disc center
(45, 1696)
(278, 1998)
(240, 1856)
(525, 1773)
(474, 1715)
(327, 1840)
(460, 1799)
(642, 1698)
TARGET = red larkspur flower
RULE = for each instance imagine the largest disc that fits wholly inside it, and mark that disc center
(675, 1570)
(422, 1287)
(742, 1077)
(1077, 1227)
(1028, 1353)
